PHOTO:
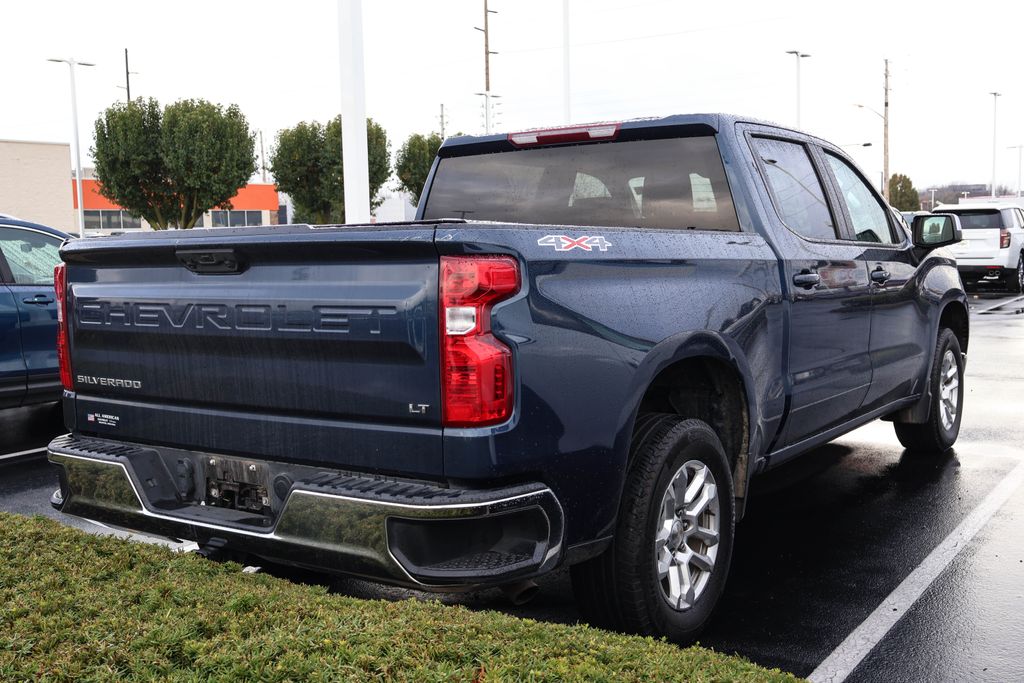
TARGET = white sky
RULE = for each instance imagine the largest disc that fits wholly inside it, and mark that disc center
(279, 62)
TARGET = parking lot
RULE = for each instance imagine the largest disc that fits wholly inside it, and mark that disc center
(849, 540)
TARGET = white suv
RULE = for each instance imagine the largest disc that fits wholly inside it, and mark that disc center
(992, 250)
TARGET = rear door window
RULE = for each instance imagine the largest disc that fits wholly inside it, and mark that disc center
(796, 188)
(672, 184)
(30, 255)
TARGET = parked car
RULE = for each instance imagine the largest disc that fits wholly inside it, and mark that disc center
(909, 216)
(580, 355)
(992, 251)
(28, 313)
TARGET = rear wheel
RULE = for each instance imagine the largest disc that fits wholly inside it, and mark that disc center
(1016, 283)
(939, 433)
(668, 562)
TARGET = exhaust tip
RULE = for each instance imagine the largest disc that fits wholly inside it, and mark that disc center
(521, 592)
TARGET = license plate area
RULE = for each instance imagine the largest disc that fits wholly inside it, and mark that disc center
(236, 484)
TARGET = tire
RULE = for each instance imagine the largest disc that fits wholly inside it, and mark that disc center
(622, 588)
(1015, 282)
(939, 433)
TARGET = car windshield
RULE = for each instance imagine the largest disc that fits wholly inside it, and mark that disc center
(980, 220)
(676, 183)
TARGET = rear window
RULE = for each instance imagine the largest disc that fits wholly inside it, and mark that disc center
(674, 184)
(979, 220)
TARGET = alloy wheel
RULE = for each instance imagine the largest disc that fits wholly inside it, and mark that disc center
(686, 538)
(949, 389)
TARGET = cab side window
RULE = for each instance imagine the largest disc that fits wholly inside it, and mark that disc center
(30, 255)
(796, 189)
(870, 219)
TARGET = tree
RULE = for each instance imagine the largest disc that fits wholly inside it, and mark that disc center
(170, 166)
(413, 163)
(902, 194)
(307, 165)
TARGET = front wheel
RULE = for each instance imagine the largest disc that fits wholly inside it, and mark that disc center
(670, 555)
(939, 433)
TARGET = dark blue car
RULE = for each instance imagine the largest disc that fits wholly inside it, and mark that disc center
(28, 313)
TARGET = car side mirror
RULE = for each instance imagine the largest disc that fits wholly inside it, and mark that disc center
(936, 230)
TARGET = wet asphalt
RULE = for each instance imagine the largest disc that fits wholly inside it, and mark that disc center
(826, 539)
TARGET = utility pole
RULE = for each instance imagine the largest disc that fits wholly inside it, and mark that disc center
(127, 87)
(995, 111)
(885, 137)
(263, 159)
(487, 67)
(932, 190)
(443, 122)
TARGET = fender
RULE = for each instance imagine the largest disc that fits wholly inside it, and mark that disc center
(921, 411)
(698, 344)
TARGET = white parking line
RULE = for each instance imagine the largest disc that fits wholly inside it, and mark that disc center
(1001, 303)
(5, 456)
(845, 658)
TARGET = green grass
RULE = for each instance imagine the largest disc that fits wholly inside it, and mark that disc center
(78, 607)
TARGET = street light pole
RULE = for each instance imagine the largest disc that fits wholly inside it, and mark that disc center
(995, 108)
(71, 62)
(885, 135)
(798, 55)
(567, 102)
(354, 154)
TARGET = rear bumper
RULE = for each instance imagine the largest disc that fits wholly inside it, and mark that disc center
(992, 272)
(390, 530)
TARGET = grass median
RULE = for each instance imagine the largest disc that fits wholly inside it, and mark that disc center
(75, 606)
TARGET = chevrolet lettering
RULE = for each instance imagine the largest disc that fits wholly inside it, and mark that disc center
(248, 316)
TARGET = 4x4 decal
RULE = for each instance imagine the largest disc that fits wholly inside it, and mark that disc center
(566, 243)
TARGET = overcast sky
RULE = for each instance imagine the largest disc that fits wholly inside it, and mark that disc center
(279, 62)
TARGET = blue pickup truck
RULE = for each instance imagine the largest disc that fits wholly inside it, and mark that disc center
(28, 313)
(582, 354)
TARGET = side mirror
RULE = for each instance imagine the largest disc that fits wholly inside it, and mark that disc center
(936, 230)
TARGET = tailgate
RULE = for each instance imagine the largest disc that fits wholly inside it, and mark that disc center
(978, 244)
(298, 344)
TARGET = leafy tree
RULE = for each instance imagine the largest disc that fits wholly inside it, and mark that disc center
(171, 165)
(307, 164)
(414, 160)
(902, 194)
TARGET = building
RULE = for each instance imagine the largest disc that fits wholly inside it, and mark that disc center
(34, 183)
(255, 204)
(1019, 201)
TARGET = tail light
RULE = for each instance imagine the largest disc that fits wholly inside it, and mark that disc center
(63, 350)
(1004, 238)
(477, 383)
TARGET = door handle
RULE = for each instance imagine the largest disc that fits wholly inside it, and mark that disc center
(880, 275)
(38, 299)
(806, 279)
